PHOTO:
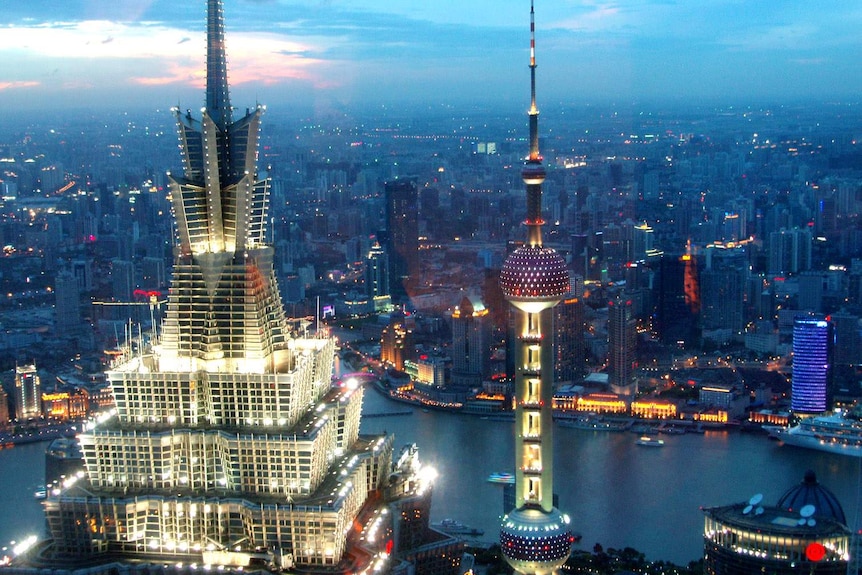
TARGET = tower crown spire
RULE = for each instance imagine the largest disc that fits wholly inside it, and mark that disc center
(218, 96)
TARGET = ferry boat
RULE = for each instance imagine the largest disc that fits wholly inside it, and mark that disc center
(648, 441)
(593, 424)
(453, 527)
(833, 433)
(501, 478)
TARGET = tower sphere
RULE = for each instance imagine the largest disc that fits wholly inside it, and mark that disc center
(534, 278)
(533, 173)
(533, 541)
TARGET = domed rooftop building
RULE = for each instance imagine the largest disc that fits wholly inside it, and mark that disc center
(811, 492)
(804, 533)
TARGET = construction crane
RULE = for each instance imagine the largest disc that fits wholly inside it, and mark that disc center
(152, 300)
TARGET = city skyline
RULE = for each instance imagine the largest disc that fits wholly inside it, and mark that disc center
(326, 55)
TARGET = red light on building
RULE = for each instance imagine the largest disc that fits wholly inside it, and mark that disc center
(815, 552)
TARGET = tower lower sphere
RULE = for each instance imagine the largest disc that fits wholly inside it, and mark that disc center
(535, 541)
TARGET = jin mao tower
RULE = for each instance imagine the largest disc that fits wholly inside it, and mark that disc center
(535, 537)
(230, 445)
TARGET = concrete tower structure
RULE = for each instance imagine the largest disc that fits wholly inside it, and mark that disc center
(535, 537)
(230, 444)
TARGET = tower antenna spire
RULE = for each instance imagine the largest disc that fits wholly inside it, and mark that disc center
(534, 111)
(218, 96)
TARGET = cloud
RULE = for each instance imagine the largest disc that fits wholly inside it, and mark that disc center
(19, 84)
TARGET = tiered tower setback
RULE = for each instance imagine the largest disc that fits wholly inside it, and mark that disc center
(230, 441)
(535, 537)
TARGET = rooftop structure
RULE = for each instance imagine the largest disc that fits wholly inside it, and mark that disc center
(751, 537)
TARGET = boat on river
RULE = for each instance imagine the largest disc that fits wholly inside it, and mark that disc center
(833, 433)
(593, 424)
(501, 477)
(453, 527)
(648, 441)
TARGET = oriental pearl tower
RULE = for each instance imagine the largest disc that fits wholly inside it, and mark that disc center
(535, 537)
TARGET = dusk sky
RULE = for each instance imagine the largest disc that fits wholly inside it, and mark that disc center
(132, 53)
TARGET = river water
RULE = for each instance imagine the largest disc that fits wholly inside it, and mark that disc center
(617, 493)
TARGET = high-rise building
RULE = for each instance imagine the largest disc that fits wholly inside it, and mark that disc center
(67, 303)
(28, 392)
(677, 300)
(471, 342)
(569, 342)
(535, 537)
(622, 347)
(4, 409)
(402, 233)
(230, 445)
(812, 357)
(396, 342)
(377, 274)
(789, 251)
(122, 279)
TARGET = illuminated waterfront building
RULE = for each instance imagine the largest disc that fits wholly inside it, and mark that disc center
(229, 443)
(535, 537)
(812, 349)
(28, 392)
(804, 533)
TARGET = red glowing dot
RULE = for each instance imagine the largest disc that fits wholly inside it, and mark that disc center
(815, 552)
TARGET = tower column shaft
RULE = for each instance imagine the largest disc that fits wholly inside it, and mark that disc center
(533, 414)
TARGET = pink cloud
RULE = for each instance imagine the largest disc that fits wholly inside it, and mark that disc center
(19, 84)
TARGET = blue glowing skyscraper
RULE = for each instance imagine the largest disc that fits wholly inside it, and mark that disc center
(534, 537)
(812, 348)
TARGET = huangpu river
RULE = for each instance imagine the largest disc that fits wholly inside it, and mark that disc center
(617, 493)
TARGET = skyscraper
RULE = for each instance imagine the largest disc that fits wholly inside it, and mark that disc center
(229, 443)
(535, 537)
(67, 306)
(402, 233)
(471, 342)
(377, 277)
(622, 347)
(812, 350)
(28, 392)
